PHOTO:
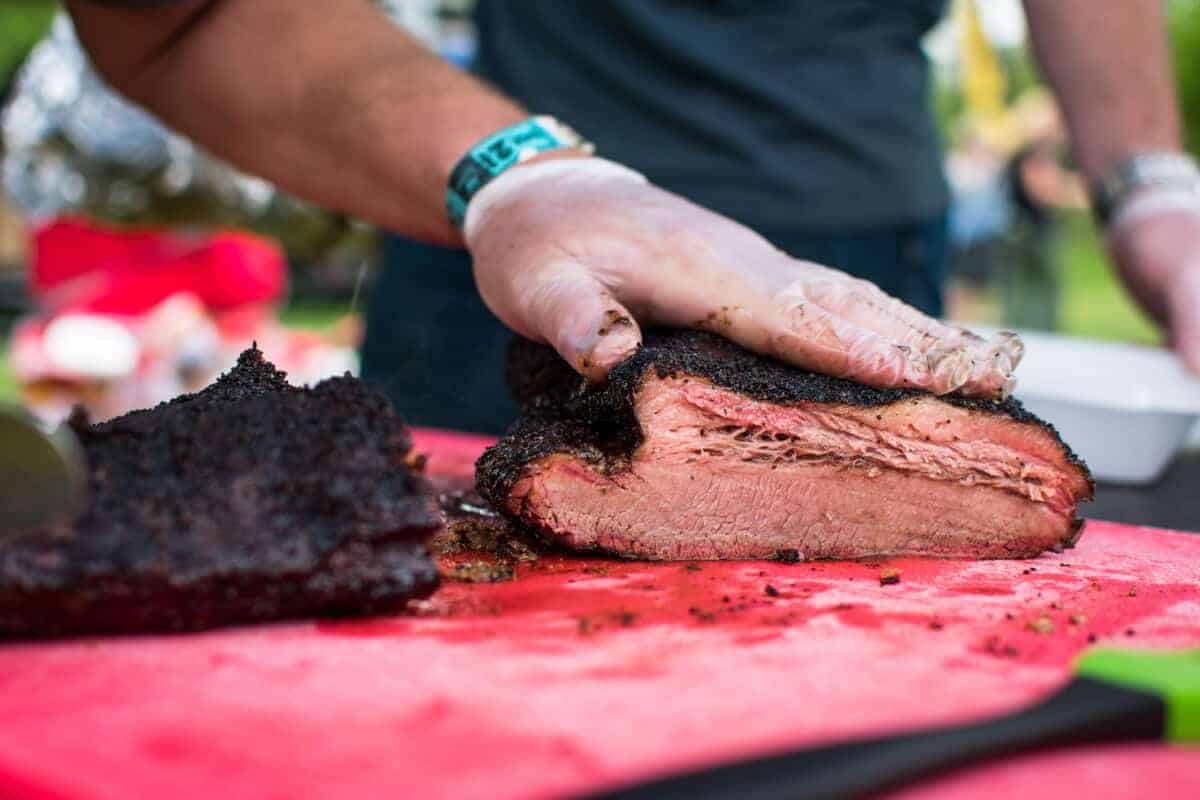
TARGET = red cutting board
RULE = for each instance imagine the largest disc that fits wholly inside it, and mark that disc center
(584, 672)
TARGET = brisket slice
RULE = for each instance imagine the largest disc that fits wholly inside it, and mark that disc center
(252, 500)
(697, 449)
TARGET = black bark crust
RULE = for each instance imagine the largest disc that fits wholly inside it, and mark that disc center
(565, 414)
(249, 501)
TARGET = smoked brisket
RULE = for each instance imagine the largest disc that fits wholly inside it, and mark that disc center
(695, 448)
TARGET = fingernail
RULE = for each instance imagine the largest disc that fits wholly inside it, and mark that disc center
(613, 347)
(995, 363)
(949, 370)
(990, 376)
(1010, 344)
(995, 385)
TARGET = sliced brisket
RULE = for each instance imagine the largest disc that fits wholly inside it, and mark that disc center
(252, 500)
(695, 448)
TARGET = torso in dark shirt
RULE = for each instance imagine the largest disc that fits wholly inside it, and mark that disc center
(800, 115)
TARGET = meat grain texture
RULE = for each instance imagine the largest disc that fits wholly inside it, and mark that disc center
(252, 500)
(697, 449)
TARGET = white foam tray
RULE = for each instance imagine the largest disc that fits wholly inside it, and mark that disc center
(1126, 410)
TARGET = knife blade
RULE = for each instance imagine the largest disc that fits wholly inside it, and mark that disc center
(43, 477)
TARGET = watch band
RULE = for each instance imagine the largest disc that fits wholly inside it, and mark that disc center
(502, 150)
(1163, 169)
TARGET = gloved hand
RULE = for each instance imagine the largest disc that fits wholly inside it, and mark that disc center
(578, 251)
(1155, 239)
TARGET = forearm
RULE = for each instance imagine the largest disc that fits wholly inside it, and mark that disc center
(1109, 66)
(329, 100)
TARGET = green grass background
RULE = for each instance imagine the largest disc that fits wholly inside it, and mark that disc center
(8, 386)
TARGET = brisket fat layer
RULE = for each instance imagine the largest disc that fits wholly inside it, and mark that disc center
(252, 500)
(697, 449)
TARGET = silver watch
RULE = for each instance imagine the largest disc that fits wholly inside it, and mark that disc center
(1166, 168)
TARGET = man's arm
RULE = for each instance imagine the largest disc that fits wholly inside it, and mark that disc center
(1109, 66)
(330, 100)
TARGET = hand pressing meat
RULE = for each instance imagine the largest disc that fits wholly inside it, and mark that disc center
(696, 449)
(577, 252)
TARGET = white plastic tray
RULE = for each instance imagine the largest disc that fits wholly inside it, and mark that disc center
(1125, 409)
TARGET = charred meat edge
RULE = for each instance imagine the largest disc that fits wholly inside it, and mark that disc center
(597, 423)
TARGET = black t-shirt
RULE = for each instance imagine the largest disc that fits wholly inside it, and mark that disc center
(788, 115)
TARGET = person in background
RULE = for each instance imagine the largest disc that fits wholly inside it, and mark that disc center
(1040, 185)
(808, 125)
(980, 217)
(1003, 217)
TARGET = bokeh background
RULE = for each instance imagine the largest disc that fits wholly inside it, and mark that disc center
(69, 148)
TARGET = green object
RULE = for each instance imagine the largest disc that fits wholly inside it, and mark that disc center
(8, 381)
(1172, 676)
(1184, 26)
(314, 315)
(22, 24)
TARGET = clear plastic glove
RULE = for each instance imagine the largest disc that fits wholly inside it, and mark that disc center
(577, 252)
(1155, 239)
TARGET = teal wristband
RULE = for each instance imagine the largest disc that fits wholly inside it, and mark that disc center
(504, 149)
